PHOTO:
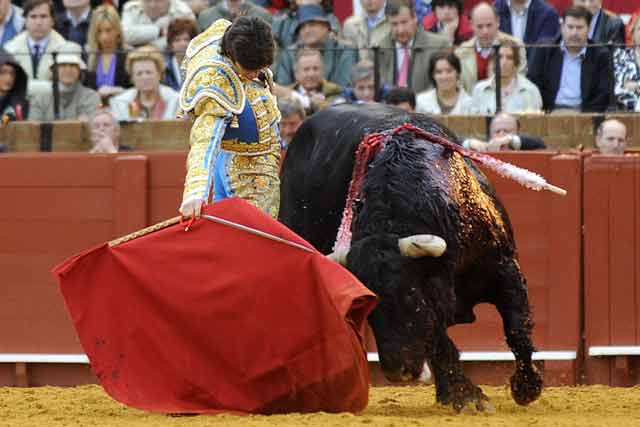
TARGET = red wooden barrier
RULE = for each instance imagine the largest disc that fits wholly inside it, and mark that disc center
(612, 268)
(58, 204)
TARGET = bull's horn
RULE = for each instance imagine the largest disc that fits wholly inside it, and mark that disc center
(420, 245)
(339, 256)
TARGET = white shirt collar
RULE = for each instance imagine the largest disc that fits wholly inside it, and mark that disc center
(42, 43)
(581, 54)
(376, 20)
(84, 17)
(526, 6)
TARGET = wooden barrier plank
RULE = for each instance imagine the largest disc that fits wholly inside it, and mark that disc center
(129, 207)
(70, 135)
(565, 254)
(596, 253)
(36, 203)
(24, 137)
(57, 170)
(621, 251)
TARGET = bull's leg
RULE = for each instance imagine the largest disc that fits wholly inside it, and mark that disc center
(512, 302)
(452, 385)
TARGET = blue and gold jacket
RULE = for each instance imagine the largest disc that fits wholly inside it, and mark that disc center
(229, 112)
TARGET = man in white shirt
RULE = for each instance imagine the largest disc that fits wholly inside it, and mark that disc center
(33, 47)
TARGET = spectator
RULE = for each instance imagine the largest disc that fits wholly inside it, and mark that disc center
(314, 32)
(605, 26)
(407, 49)
(32, 48)
(76, 102)
(572, 76)
(362, 87)
(447, 96)
(504, 134)
(13, 89)
(475, 53)
(230, 10)
(422, 8)
(611, 137)
(292, 115)
(11, 21)
(146, 21)
(401, 97)
(105, 133)
(107, 57)
(519, 94)
(148, 99)
(73, 22)
(284, 26)
(626, 70)
(180, 33)
(448, 20)
(310, 89)
(367, 30)
(528, 20)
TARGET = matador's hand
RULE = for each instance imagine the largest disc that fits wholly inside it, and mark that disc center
(191, 209)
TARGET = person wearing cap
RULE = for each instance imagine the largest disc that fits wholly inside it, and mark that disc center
(284, 25)
(230, 10)
(314, 32)
(76, 102)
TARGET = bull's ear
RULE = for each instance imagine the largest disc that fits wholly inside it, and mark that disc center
(339, 256)
(420, 245)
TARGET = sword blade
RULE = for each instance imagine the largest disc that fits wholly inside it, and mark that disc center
(256, 232)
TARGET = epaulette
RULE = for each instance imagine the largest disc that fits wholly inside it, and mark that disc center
(209, 75)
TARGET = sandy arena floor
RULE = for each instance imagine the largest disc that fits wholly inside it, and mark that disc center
(388, 406)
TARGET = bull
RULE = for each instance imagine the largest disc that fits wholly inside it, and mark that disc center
(429, 237)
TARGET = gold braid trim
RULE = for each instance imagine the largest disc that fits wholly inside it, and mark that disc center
(145, 231)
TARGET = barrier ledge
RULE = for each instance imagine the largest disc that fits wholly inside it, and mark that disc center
(43, 358)
(614, 350)
(498, 356)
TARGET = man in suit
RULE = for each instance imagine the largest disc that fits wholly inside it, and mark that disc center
(405, 52)
(368, 29)
(605, 26)
(573, 75)
(528, 20)
(32, 48)
(476, 52)
(73, 23)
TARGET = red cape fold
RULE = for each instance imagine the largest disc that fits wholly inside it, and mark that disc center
(218, 319)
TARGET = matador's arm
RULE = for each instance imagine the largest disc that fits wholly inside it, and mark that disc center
(206, 134)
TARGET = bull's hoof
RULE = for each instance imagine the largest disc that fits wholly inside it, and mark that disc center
(526, 385)
(469, 396)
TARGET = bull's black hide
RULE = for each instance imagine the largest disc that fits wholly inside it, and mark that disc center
(413, 187)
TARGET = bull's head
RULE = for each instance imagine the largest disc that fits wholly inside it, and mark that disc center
(397, 270)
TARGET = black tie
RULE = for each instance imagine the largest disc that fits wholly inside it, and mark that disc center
(35, 60)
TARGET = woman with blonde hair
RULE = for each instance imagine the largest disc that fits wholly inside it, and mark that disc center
(147, 99)
(107, 53)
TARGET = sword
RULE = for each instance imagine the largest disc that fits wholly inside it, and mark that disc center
(256, 232)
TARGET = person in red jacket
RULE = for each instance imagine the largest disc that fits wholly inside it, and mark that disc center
(448, 19)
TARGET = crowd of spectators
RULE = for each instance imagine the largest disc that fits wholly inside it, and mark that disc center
(427, 56)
